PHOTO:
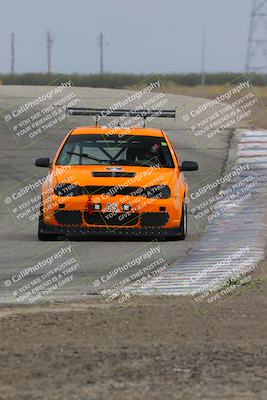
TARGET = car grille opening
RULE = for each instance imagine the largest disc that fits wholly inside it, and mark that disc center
(108, 219)
(154, 219)
(68, 217)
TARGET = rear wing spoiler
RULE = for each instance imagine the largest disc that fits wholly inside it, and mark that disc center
(102, 112)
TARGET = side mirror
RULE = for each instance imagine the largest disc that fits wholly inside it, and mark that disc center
(189, 166)
(42, 162)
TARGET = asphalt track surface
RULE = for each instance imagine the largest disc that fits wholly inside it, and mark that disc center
(18, 246)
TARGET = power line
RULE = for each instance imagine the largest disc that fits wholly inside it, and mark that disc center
(257, 39)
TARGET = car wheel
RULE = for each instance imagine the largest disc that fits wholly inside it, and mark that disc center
(183, 225)
(44, 236)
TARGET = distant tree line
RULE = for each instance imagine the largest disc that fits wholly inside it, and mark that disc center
(110, 80)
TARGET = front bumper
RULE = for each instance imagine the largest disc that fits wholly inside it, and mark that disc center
(154, 219)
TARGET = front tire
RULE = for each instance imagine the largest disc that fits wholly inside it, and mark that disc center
(183, 225)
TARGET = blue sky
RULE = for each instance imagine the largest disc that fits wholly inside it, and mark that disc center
(143, 36)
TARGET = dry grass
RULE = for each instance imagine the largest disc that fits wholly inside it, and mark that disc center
(259, 114)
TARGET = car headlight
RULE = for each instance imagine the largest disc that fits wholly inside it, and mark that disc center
(68, 189)
(158, 192)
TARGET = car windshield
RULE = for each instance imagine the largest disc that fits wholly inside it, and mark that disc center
(116, 150)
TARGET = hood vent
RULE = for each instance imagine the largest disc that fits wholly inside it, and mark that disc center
(114, 174)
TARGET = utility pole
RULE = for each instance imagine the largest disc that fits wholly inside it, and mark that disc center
(49, 52)
(101, 45)
(12, 56)
(257, 40)
(203, 58)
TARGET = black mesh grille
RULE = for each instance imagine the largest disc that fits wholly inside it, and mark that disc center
(120, 219)
(68, 217)
(154, 219)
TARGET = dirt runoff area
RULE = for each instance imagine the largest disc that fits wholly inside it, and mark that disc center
(150, 348)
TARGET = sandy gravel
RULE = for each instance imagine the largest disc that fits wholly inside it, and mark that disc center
(151, 348)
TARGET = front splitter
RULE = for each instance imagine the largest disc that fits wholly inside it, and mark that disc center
(152, 232)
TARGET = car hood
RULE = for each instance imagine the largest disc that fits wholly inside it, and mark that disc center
(98, 175)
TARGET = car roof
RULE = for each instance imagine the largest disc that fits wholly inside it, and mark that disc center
(93, 130)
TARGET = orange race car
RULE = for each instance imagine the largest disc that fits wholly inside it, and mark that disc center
(115, 182)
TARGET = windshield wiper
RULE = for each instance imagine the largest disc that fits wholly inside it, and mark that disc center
(86, 156)
(123, 162)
